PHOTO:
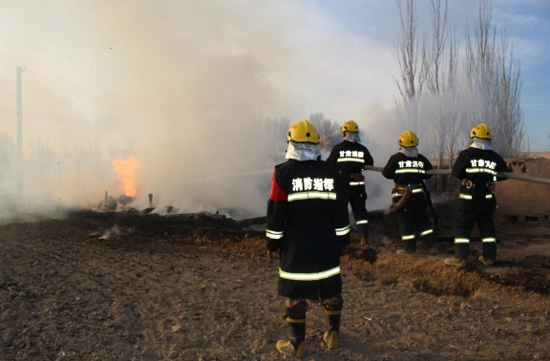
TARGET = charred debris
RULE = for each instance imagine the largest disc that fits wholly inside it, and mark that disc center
(120, 208)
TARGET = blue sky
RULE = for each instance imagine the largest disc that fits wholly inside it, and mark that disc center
(188, 81)
(529, 28)
(526, 24)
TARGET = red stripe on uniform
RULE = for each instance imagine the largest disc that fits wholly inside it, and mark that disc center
(277, 194)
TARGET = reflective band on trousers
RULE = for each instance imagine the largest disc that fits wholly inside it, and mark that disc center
(418, 190)
(484, 240)
(311, 195)
(355, 160)
(309, 276)
(343, 231)
(273, 234)
(356, 183)
(469, 196)
(362, 221)
(407, 237)
(426, 232)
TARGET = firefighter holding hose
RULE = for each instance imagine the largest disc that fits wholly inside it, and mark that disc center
(477, 167)
(308, 229)
(409, 196)
(350, 157)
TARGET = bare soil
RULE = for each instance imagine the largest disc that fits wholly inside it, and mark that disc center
(132, 286)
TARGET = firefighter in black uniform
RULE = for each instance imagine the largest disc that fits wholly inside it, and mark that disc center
(477, 168)
(308, 228)
(350, 157)
(409, 199)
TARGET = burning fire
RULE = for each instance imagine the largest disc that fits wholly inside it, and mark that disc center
(126, 172)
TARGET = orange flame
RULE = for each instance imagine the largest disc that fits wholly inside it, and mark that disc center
(126, 172)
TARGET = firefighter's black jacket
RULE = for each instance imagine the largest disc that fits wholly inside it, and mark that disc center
(307, 220)
(407, 170)
(478, 169)
(350, 157)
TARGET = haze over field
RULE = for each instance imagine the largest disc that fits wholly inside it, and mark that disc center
(185, 87)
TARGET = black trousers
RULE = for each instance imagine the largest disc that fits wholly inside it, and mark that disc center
(468, 214)
(414, 222)
(357, 199)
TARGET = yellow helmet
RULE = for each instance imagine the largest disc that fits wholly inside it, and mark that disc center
(408, 139)
(350, 126)
(481, 131)
(303, 132)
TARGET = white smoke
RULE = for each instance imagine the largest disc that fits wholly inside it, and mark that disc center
(181, 85)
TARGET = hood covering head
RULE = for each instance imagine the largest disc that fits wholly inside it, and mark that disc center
(352, 137)
(411, 152)
(479, 143)
(302, 151)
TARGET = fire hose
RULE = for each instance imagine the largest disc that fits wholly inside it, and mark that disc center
(508, 175)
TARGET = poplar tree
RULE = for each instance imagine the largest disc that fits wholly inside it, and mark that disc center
(444, 95)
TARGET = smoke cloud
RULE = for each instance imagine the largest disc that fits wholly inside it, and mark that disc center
(182, 86)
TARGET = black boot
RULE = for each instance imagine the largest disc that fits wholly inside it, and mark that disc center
(364, 232)
(489, 254)
(297, 334)
(408, 248)
(331, 335)
(431, 244)
(462, 251)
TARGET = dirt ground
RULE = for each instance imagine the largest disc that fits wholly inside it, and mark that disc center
(132, 286)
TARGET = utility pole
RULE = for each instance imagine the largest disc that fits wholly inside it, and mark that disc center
(20, 70)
